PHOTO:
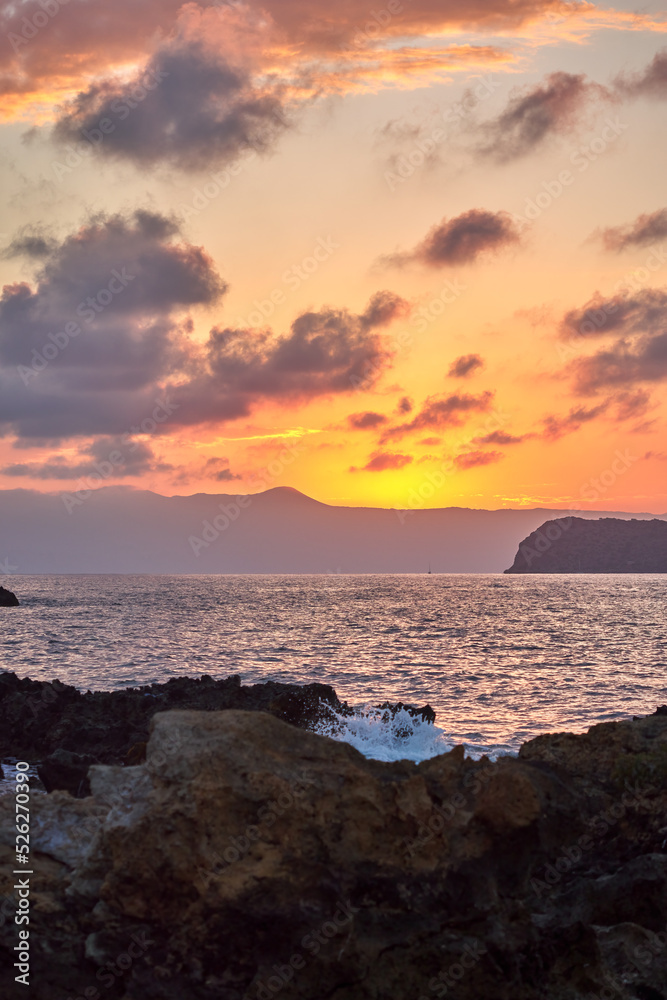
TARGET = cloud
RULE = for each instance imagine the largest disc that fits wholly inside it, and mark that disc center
(623, 364)
(188, 107)
(325, 352)
(85, 349)
(652, 82)
(32, 242)
(102, 341)
(111, 457)
(382, 461)
(405, 405)
(639, 353)
(643, 232)
(365, 421)
(624, 314)
(218, 468)
(309, 50)
(442, 411)
(502, 438)
(473, 459)
(462, 240)
(557, 427)
(555, 106)
(631, 404)
(465, 365)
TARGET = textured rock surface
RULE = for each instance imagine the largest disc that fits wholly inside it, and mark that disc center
(40, 719)
(249, 858)
(607, 545)
(8, 599)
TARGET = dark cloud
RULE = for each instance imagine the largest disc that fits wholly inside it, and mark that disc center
(405, 405)
(218, 468)
(638, 355)
(188, 107)
(557, 427)
(462, 240)
(365, 421)
(326, 352)
(623, 364)
(442, 411)
(381, 461)
(383, 308)
(465, 365)
(623, 314)
(502, 438)
(86, 348)
(32, 242)
(110, 458)
(535, 114)
(472, 459)
(101, 343)
(643, 232)
(652, 82)
(631, 404)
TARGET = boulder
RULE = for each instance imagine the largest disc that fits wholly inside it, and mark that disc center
(67, 771)
(247, 859)
(8, 599)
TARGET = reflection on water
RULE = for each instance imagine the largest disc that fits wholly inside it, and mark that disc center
(501, 659)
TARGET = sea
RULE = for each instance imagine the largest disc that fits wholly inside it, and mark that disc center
(501, 659)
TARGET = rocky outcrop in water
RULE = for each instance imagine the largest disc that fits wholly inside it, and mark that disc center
(8, 599)
(65, 729)
(607, 545)
(247, 858)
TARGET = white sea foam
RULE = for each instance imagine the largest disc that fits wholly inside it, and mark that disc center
(378, 734)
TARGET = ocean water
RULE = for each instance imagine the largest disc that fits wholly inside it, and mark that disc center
(501, 659)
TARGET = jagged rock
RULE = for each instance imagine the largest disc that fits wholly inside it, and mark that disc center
(68, 771)
(8, 599)
(606, 545)
(250, 859)
(38, 718)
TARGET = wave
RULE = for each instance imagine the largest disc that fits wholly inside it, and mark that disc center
(386, 735)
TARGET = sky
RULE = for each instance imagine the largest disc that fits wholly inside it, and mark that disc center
(409, 254)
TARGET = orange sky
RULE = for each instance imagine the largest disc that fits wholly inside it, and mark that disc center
(409, 256)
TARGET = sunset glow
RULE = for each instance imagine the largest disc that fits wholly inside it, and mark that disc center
(376, 255)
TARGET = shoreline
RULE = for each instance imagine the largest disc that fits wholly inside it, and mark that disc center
(247, 858)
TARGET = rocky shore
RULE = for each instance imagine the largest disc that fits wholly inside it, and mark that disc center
(249, 858)
(67, 730)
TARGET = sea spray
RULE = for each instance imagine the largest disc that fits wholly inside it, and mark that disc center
(382, 734)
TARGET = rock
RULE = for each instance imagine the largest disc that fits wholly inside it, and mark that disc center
(68, 771)
(8, 599)
(391, 709)
(248, 858)
(38, 718)
(606, 545)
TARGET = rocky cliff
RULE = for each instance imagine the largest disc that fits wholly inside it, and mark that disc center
(608, 545)
(247, 858)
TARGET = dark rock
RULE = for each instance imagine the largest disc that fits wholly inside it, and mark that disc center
(8, 599)
(68, 771)
(38, 718)
(250, 859)
(606, 545)
(391, 709)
